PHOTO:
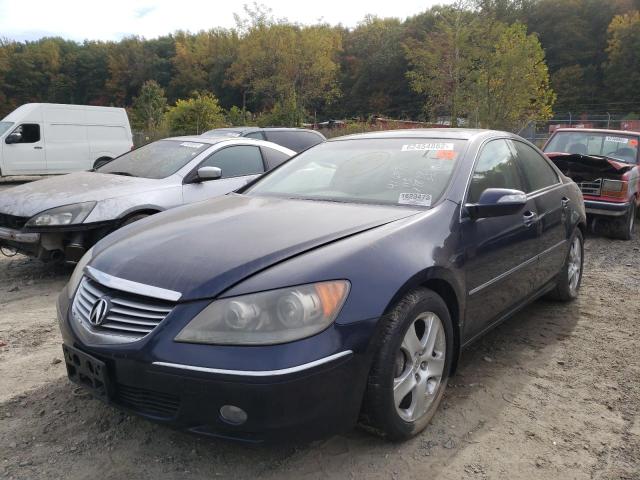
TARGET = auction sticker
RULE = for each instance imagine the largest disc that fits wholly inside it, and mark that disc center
(421, 199)
(191, 144)
(617, 139)
(426, 147)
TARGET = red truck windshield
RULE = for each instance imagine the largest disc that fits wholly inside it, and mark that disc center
(621, 147)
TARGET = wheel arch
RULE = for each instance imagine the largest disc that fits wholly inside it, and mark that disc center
(138, 211)
(443, 282)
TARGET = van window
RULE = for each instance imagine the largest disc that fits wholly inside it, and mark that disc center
(236, 161)
(296, 140)
(4, 126)
(30, 132)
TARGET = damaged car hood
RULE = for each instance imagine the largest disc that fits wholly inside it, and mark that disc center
(200, 250)
(592, 164)
(34, 197)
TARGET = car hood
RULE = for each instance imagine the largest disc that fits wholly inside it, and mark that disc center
(34, 197)
(200, 250)
(572, 164)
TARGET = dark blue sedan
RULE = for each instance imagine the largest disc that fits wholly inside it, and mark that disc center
(340, 287)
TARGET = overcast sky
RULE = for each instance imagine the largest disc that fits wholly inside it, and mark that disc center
(114, 19)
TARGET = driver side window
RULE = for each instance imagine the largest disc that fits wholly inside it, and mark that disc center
(30, 132)
(236, 161)
(495, 168)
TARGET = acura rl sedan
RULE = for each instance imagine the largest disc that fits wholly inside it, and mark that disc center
(340, 287)
(59, 218)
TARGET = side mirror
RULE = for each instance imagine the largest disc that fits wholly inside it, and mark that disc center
(209, 173)
(14, 137)
(497, 202)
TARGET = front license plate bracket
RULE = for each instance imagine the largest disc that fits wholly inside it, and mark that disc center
(87, 371)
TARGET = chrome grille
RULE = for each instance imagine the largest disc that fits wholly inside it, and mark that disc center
(591, 188)
(131, 316)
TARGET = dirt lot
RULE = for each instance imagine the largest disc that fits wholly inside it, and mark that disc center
(553, 393)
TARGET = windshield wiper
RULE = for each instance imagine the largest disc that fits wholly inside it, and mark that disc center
(124, 174)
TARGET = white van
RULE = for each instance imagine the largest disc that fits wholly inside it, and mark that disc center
(48, 138)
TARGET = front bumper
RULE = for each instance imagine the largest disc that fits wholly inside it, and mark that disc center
(304, 401)
(607, 209)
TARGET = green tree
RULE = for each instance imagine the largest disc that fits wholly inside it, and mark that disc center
(622, 69)
(149, 107)
(511, 85)
(441, 62)
(196, 115)
(286, 64)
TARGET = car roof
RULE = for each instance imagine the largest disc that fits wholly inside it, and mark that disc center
(209, 140)
(447, 133)
(598, 130)
(241, 130)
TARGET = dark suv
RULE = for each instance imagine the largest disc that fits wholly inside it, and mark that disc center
(296, 139)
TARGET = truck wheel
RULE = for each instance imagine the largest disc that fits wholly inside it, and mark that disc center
(411, 367)
(624, 228)
(101, 162)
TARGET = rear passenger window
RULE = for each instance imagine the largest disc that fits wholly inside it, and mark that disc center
(294, 140)
(537, 171)
(30, 132)
(273, 157)
(236, 161)
(496, 168)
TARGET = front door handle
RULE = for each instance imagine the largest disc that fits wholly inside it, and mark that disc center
(529, 218)
(37, 148)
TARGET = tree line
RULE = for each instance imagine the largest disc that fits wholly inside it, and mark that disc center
(488, 63)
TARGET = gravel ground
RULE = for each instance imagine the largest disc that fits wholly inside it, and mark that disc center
(552, 393)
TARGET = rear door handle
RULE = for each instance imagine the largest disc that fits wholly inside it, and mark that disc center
(37, 148)
(529, 218)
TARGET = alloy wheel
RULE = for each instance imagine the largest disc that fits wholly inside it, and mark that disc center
(419, 367)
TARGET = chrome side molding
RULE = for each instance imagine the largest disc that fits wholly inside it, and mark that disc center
(257, 373)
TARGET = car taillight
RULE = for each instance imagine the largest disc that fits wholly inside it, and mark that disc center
(614, 188)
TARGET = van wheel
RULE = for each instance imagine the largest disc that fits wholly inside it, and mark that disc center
(101, 162)
(570, 276)
(625, 227)
(411, 368)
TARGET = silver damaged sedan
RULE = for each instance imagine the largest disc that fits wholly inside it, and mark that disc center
(59, 218)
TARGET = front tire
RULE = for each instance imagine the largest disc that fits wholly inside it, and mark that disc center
(101, 162)
(625, 227)
(411, 367)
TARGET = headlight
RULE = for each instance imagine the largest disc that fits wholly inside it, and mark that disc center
(76, 276)
(65, 215)
(267, 318)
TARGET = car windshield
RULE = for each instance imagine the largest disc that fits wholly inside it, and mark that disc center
(155, 160)
(398, 171)
(4, 126)
(617, 146)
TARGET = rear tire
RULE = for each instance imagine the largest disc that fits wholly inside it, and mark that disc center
(411, 367)
(624, 228)
(570, 277)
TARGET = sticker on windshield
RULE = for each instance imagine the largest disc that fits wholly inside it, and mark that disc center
(426, 147)
(421, 199)
(617, 140)
(191, 145)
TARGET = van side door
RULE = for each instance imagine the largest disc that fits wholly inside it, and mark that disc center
(24, 153)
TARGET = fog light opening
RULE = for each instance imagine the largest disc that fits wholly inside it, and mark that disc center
(233, 415)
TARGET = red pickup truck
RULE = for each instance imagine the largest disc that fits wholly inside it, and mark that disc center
(604, 164)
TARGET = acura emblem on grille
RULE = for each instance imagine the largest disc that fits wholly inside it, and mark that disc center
(99, 311)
